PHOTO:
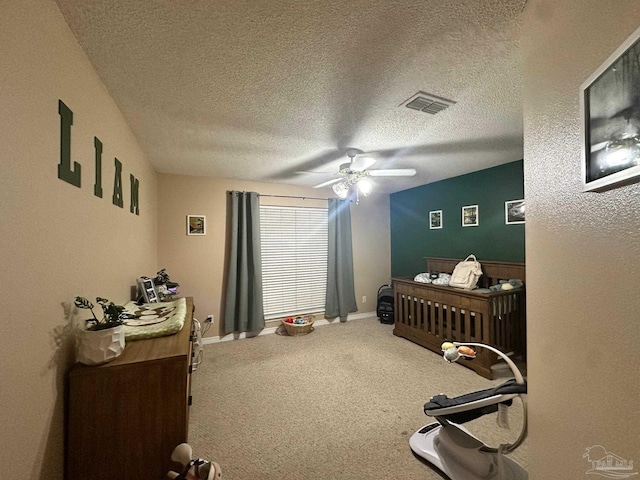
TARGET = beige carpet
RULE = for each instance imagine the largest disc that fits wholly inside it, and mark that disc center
(338, 403)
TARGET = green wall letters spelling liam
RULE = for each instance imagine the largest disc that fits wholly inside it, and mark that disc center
(73, 174)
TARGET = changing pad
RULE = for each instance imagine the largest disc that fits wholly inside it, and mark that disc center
(151, 320)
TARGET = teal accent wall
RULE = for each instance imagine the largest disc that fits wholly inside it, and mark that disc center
(492, 239)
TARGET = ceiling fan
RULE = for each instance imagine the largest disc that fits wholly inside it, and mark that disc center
(356, 171)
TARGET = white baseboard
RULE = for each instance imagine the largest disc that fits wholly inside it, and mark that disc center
(270, 330)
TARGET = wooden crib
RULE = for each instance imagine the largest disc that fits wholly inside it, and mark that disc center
(430, 314)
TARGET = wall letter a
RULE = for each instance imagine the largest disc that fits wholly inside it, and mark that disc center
(135, 184)
(64, 168)
(117, 185)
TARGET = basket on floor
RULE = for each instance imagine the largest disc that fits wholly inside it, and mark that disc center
(296, 329)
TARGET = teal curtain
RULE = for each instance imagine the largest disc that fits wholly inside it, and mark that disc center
(244, 310)
(341, 296)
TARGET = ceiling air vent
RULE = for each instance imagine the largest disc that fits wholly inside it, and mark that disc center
(427, 103)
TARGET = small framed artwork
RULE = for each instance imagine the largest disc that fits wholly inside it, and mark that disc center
(514, 212)
(435, 219)
(196, 225)
(611, 120)
(470, 216)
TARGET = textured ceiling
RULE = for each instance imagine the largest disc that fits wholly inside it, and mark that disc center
(265, 90)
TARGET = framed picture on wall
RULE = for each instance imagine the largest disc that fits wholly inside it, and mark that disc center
(435, 219)
(470, 216)
(196, 225)
(514, 212)
(610, 110)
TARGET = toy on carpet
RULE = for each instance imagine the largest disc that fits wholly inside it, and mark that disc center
(194, 468)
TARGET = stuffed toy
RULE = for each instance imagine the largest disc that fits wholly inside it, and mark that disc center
(194, 468)
(507, 285)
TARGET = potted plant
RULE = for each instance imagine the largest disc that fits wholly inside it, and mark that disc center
(101, 340)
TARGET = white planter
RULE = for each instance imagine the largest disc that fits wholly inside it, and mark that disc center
(100, 346)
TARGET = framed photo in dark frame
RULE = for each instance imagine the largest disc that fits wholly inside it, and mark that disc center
(610, 111)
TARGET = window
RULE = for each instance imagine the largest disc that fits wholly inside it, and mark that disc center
(294, 260)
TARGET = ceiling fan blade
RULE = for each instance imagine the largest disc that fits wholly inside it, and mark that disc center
(327, 183)
(360, 164)
(308, 172)
(393, 172)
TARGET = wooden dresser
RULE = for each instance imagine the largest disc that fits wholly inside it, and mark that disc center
(124, 418)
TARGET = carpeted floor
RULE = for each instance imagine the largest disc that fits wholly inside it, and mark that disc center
(339, 403)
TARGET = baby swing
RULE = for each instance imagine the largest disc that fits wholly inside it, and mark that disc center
(450, 447)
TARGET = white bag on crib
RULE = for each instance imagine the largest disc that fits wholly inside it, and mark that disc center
(466, 273)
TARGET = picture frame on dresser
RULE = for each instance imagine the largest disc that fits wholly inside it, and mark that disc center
(610, 112)
(148, 290)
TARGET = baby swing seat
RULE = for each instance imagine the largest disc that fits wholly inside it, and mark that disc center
(451, 448)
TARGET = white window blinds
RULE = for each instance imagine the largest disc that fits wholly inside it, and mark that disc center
(294, 260)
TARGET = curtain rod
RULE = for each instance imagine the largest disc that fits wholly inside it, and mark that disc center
(292, 196)
(285, 196)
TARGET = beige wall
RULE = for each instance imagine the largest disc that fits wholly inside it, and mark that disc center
(56, 240)
(583, 251)
(198, 263)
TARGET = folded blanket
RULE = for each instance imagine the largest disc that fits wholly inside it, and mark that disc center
(443, 279)
(422, 277)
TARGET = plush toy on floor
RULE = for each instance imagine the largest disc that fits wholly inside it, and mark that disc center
(194, 468)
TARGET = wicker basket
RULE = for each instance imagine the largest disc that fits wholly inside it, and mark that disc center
(296, 329)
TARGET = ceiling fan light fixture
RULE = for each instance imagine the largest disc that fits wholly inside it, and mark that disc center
(341, 190)
(365, 186)
(355, 174)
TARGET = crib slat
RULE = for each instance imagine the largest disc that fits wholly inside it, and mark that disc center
(467, 327)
